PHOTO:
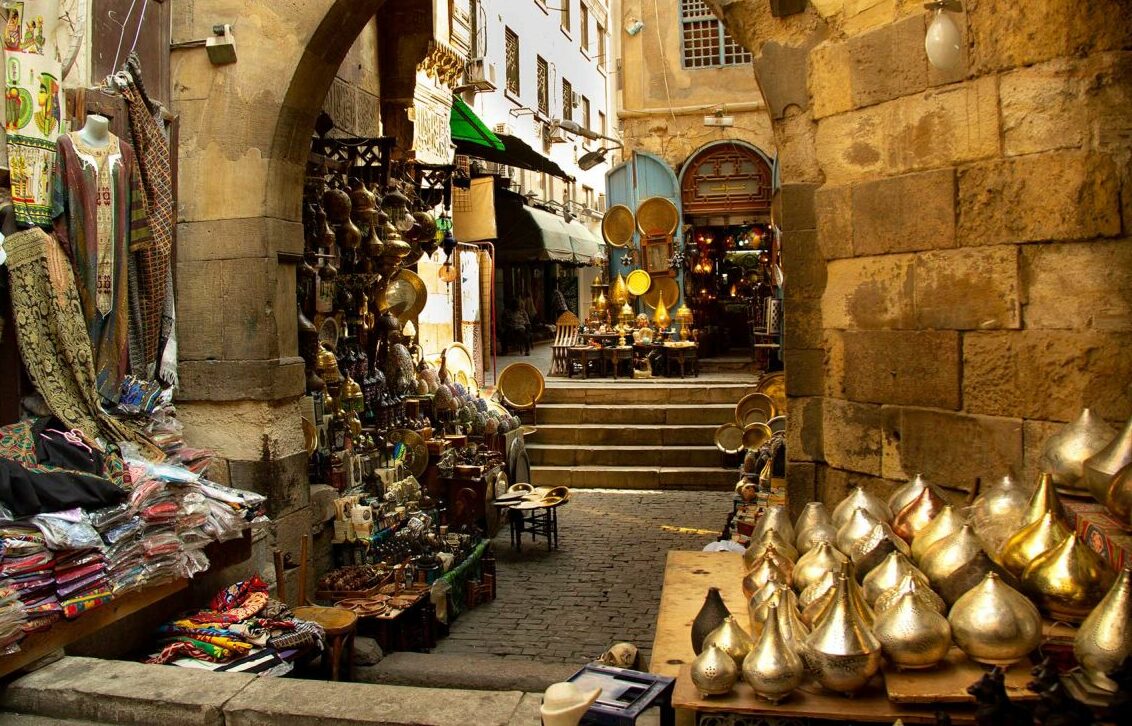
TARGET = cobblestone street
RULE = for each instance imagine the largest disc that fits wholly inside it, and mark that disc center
(602, 585)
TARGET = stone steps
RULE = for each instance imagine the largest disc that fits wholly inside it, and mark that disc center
(633, 477)
(636, 414)
(656, 392)
(619, 435)
(664, 456)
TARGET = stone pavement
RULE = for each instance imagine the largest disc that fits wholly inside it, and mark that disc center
(602, 585)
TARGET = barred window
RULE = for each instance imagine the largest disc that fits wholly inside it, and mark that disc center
(585, 112)
(566, 15)
(542, 76)
(705, 43)
(567, 100)
(584, 27)
(601, 46)
(512, 59)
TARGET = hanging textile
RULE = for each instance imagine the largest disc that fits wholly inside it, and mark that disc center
(53, 340)
(151, 147)
(470, 306)
(100, 218)
(33, 105)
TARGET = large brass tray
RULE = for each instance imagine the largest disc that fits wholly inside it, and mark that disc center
(617, 225)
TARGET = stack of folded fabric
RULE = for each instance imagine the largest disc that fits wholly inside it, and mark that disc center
(156, 506)
(27, 567)
(13, 618)
(81, 582)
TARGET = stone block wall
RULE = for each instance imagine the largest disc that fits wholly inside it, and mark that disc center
(962, 285)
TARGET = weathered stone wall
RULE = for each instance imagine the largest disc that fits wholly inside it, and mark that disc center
(958, 265)
(354, 99)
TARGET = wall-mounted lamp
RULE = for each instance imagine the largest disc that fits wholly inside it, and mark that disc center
(943, 41)
(634, 26)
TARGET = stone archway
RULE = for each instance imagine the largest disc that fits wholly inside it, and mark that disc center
(931, 218)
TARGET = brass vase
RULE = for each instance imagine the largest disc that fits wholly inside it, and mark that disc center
(808, 538)
(1068, 581)
(950, 553)
(1064, 453)
(714, 672)
(1103, 465)
(947, 522)
(764, 571)
(777, 518)
(1026, 544)
(995, 624)
(1119, 497)
(758, 546)
(856, 527)
(1104, 640)
(860, 499)
(710, 617)
(912, 634)
(731, 639)
(903, 495)
(841, 651)
(773, 669)
(917, 515)
(997, 512)
(917, 587)
(871, 550)
(811, 566)
(887, 575)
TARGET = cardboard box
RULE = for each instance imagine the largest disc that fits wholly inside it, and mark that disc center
(1101, 531)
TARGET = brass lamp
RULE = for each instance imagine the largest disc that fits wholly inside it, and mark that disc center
(661, 316)
(620, 292)
(684, 317)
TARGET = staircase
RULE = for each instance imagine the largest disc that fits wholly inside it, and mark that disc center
(633, 434)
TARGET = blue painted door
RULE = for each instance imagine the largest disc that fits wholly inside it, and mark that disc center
(630, 183)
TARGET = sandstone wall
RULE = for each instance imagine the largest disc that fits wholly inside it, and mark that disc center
(958, 265)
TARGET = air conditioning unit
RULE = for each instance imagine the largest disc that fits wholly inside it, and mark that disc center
(552, 135)
(480, 75)
(503, 129)
(575, 99)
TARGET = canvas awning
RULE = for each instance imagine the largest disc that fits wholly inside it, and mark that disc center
(529, 234)
(515, 152)
(587, 247)
(467, 128)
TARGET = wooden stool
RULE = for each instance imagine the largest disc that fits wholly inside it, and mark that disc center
(340, 624)
(476, 593)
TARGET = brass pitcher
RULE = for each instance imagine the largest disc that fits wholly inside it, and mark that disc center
(856, 527)
(1032, 540)
(1104, 640)
(841, 651)
(994, 623)
(887, 575)
(903, 495)
(1068, 581)
(1103, 465)
(913, 635)
(917, 587)
(773, 669)
(997, 512)
(860, 499)
(950, 553)
(811, 566)
(1064, 453)
(917, 514)
(714, 672)
(947, 522)
(731, 639)
(777, 518)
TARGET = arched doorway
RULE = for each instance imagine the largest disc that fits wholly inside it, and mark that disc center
(726, 190)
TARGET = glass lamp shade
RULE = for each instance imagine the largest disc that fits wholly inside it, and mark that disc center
(943, 42)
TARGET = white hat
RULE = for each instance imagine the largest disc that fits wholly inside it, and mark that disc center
(566, 703)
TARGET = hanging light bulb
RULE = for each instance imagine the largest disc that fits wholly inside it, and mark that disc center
(943, 41)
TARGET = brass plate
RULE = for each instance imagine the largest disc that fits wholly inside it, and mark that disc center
(521, 384)
(657, 216)
(729, 438)
(416, 451)
(774, 385)
(755, 435)
(310, 436)
(404, 296)
(752, 402)
(617, 225)
(638, 282)
(777, 424)
(755, 415)
(459, 366)
(663, 288)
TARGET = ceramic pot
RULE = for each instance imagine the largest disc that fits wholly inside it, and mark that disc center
(1104, 640)
(710, 617)
(871, 550)
(811, 566)
(1032, 540)
(887, 575)
(776, 518)
(860, 499)
(757, 547)
(841, 651)
(1103, 465)
(904, 494)
(917, 587)
(995, 624)
(1068, 581)
(731, 639)
(1119, 497)
(950, 553)
(947, 522)
(820, 532)
(1064, 453)
(813, 513)
(917, 515)
(773, 669)
(856, 527)
(714, 672)
(995, 514)
(912, 634)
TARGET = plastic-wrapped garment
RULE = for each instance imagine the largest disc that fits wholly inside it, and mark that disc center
(64, 531)
(160, 544)
(165, 472)
(108, 517)
(234, 497)
(191, 563)
(223, 522)
(125, 530)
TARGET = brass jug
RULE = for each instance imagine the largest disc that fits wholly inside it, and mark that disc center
(997, 512)
(995, 624)
(904, 494)
(777, 518)
(917, 514)
(856, 527)
(773, 669)
(887, 575)
(841, 651)
(1064, 453)
(947, 522)
(917, 587)
(871, 550)
(1103, 465)
(1068, 581)
(950, 553)
(714, 672)
(912, 634)
(815, 563)
(860, 499)
(1104, 640)
(731, 639)
(1032, 540)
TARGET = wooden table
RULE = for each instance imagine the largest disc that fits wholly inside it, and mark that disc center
(616, 356)
(584, 355)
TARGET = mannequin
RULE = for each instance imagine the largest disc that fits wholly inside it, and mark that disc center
(96, 131)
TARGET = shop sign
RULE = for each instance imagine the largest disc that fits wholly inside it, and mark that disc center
(432, 131)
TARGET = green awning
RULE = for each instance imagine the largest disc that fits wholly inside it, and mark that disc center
(467, 126)
(528, 234)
